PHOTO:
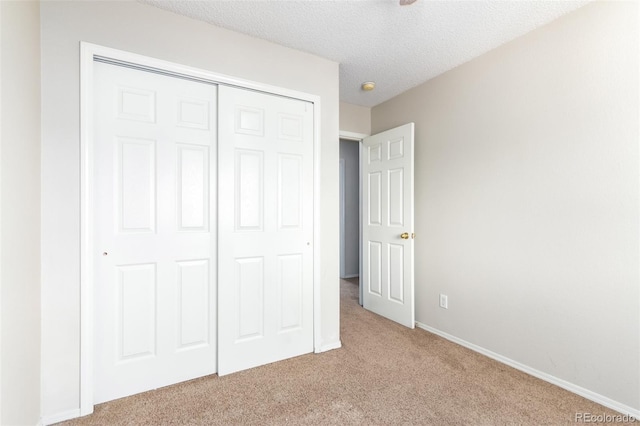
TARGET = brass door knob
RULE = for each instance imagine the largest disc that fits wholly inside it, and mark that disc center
(404, 236)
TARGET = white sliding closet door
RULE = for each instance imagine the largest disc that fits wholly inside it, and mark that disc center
(265, 228)
(154, 230)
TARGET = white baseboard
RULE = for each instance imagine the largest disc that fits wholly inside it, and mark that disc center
(329, 346)
(60, 417)
(586, 393)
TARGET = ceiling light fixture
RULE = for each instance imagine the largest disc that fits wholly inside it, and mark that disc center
(406, 2)
(368, 86)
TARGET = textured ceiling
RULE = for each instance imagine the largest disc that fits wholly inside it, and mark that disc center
(398, 47)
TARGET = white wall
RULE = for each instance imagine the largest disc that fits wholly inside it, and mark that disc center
(527, 200)
(349, 152)
(1, 26)
(149, 31)
(355, 118)
(20, 221)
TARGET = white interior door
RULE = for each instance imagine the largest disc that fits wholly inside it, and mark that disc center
(265, 229)
(386, 164)
(154, 230)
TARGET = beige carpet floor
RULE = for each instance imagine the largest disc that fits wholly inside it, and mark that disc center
(384, 374)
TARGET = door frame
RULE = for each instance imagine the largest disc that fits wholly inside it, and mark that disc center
(90, 51)
(342, 217)
(357, 137)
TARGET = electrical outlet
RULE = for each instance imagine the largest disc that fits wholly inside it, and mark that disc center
(444, 301)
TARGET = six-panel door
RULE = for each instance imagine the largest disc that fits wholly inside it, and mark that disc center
(386, 164)
(266, 229)
(154, 228)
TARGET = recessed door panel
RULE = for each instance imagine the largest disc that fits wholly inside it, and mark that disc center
(374, 199)
(290, 127)
(137, 311)
(290, 289)
(395, 268)
(249, 283)
(396, 148)
(193, 187)
(249, 121)
(374, 153)
(136, 162)
(193, 113)
(374, 278)
(136, 104)
(249, 181)
(193, 307)
(289, 191)
(396, 197)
